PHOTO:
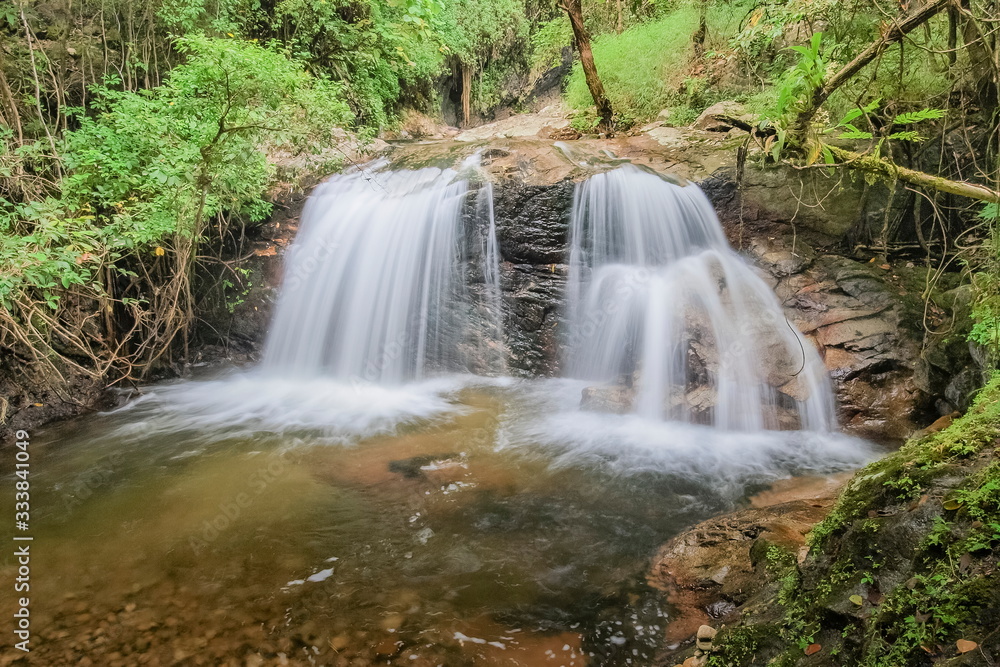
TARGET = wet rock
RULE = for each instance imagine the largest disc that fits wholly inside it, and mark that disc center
(867, 327)
(533, 305)
(720, 563)
(532, 222)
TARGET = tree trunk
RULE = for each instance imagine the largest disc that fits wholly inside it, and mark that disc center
(952, 36)
(702, 32)
(983, 70)
(466, 94)
(575, 11)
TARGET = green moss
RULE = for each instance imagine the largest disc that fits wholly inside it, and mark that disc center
(940, 551)
(742, 645)
(906, 473)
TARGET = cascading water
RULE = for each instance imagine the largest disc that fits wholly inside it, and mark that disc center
(375, 285)
(403, 536)
(659, 301)
(494, 352)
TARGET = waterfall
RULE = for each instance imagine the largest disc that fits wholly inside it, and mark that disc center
(659, 302)
(375, 283)
(493, 352)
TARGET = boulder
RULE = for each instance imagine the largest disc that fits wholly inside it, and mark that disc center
(726, 559)
(715, 118)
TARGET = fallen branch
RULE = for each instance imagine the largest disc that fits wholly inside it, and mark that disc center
(891, 170)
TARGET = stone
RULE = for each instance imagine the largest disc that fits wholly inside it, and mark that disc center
(709, 122)
(854, 330)
(520, 125)
(705, 637)
(688, 567)
(668, 136)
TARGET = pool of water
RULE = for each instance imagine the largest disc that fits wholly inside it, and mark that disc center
(246, 520)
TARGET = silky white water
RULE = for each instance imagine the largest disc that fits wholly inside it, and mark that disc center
(375, 283)
(657, 299)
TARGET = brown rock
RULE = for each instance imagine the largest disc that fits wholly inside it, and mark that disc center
(711, 562)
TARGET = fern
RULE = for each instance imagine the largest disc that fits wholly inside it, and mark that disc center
(911, 117)
(908, 135)
(855, 113)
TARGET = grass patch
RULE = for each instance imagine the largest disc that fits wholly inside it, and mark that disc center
(642, 67)
(648, 67)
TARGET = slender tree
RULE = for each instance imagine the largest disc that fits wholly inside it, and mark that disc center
(575, 11)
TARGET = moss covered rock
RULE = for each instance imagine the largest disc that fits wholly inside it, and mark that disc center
(903, 571)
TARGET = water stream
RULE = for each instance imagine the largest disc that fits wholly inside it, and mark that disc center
(656, 295)
(362, 498)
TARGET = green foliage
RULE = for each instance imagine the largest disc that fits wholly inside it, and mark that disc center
(144, 162)
(215, 17)
(148, 173)
(58, 253)
(373, 48)
(547, 44)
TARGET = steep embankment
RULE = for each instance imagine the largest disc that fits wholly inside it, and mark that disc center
(901, 572)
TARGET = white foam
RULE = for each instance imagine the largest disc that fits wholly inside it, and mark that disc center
(245, 404)
(629, 443)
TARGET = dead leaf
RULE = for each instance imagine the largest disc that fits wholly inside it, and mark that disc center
(38, 405)
(952, 504)
(159, 252)
(269, 251)
(857, 600)
(921, 617)
(965, 562)
(813, 648)
(884, 267)
(965, 645)
(875, 596)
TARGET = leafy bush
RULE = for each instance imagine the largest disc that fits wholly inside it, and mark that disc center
(547, 44)
(145, 178)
